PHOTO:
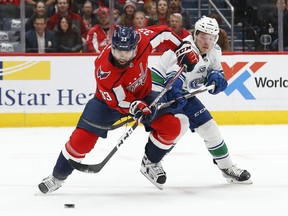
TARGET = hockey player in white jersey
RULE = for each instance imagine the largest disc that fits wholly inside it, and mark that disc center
(206, 72)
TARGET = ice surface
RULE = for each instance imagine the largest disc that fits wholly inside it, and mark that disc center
(194, 186)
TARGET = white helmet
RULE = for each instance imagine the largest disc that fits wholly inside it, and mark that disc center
(207, 25)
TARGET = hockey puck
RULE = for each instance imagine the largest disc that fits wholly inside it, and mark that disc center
(69, 205)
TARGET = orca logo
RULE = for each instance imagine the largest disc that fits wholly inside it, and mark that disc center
(196, 83)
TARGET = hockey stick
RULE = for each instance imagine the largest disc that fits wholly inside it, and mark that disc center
(95, 168)
(158, 107)
(186, 96)
(109, 127)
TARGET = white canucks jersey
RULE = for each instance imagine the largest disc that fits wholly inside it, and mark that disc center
(167, 67)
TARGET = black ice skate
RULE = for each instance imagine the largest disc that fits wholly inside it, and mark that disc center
(153, 172)
(50, 184)
(236, 175)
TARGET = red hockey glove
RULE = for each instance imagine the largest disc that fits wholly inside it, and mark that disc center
(186, 55)
(139, 108)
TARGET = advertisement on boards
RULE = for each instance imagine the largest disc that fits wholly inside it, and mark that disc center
(46, 84)
(63, 84)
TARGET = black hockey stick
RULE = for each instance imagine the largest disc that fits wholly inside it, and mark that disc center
(95, 168)
(186, 96)
(158, 107)
(109, 127)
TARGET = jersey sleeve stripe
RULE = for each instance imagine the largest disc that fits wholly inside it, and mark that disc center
(162, 36)
(120, 96)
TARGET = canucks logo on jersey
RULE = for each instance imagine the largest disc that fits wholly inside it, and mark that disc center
(196, 83)
(196, 78)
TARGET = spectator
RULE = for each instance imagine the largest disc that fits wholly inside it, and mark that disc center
(151, 12)
(39, 9)
(87, 15)
(139, 20)
(68, 36)
(163, 13)
(98, 37)
(49, 6)
(9, 9)
(175, 7)
(63, 10)
(116, 14)
(38, 39)
(78, 5)
(175, 22)
(34, 2)
(223, 41)
(126, 19)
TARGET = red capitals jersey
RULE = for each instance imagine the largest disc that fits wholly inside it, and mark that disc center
(119, 87)
(183, 34)
(97, 39)
(16, 2)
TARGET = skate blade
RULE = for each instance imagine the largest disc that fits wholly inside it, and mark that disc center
(233, 181)
(159, 186)
(38, 193)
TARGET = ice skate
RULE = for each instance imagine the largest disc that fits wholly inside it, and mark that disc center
(235, 175)
(153, 172)
(50, 184)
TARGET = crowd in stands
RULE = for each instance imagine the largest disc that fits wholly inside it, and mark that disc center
(83, 25)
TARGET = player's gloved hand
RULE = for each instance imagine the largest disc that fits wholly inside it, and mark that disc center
(140, 110)
(218, 79)
(186, 55)
(176, 93)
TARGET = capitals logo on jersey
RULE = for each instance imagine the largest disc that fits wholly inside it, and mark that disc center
(102, 74)
(140, 80)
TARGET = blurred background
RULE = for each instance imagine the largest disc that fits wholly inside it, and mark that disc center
(247, 25)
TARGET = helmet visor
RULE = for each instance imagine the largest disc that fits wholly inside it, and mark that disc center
(208, 38)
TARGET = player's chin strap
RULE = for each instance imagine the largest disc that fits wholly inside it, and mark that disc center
(95, 168)
(158, 107)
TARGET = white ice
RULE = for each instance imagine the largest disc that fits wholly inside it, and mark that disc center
(194, 185)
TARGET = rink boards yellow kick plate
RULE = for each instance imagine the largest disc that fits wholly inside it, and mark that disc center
(71, 119)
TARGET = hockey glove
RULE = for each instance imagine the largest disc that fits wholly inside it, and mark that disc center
(140, 110)
(217, 78)
(186, 55)
(176, 93)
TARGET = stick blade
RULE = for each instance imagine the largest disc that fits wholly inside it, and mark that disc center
(86, 168)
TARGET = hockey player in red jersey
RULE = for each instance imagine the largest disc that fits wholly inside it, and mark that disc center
(124, 85)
